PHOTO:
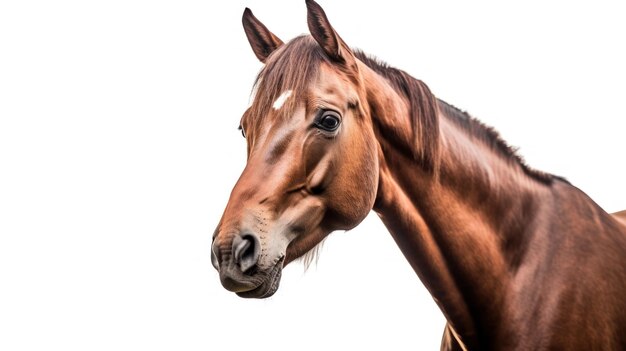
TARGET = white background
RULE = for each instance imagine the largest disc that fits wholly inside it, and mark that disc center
(119, 147)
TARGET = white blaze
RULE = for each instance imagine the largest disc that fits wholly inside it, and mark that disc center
(281, 99)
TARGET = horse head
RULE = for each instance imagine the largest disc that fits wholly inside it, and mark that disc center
(312, 165)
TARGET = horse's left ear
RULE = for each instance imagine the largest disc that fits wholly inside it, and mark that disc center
(263, 41)
(321, 30)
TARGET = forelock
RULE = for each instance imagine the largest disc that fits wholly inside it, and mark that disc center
(293, 67)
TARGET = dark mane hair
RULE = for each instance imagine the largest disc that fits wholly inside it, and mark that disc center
(491, 137)
(422, 110)
(294, 65)
(423, 107)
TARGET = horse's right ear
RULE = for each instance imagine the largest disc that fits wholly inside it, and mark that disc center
(263, 41)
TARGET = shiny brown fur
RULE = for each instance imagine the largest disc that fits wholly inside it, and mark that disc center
(515, 258)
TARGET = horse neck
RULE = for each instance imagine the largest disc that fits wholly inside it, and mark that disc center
(463, 226)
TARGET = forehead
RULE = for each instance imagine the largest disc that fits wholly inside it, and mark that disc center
(330, 88)
(333, 86)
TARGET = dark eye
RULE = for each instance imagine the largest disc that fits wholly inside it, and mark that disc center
(328, 121)
(243, 132)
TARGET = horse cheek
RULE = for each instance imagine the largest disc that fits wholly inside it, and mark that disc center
(355, 186)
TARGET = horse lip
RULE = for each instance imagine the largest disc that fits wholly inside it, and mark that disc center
(236, 284)
(269, 286)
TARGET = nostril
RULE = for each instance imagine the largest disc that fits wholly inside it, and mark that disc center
(246, 252)
(241, 249)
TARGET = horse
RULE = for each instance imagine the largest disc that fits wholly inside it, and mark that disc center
(515, 258)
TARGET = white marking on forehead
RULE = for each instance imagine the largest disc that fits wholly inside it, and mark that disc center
(281, 99)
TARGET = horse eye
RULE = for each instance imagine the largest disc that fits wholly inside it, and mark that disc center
(243, 132)
(329, 121)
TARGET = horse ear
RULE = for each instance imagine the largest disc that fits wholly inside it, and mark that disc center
(263, 41)
(321, 30)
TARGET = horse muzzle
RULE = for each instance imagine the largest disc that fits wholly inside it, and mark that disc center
(239, 269)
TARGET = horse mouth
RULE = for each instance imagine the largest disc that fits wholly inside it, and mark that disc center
(268, 286)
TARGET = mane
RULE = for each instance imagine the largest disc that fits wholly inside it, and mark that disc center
(492, 138)
(421, 107)
(422, 110)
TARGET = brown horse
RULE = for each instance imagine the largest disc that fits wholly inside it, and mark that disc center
(515, 258)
